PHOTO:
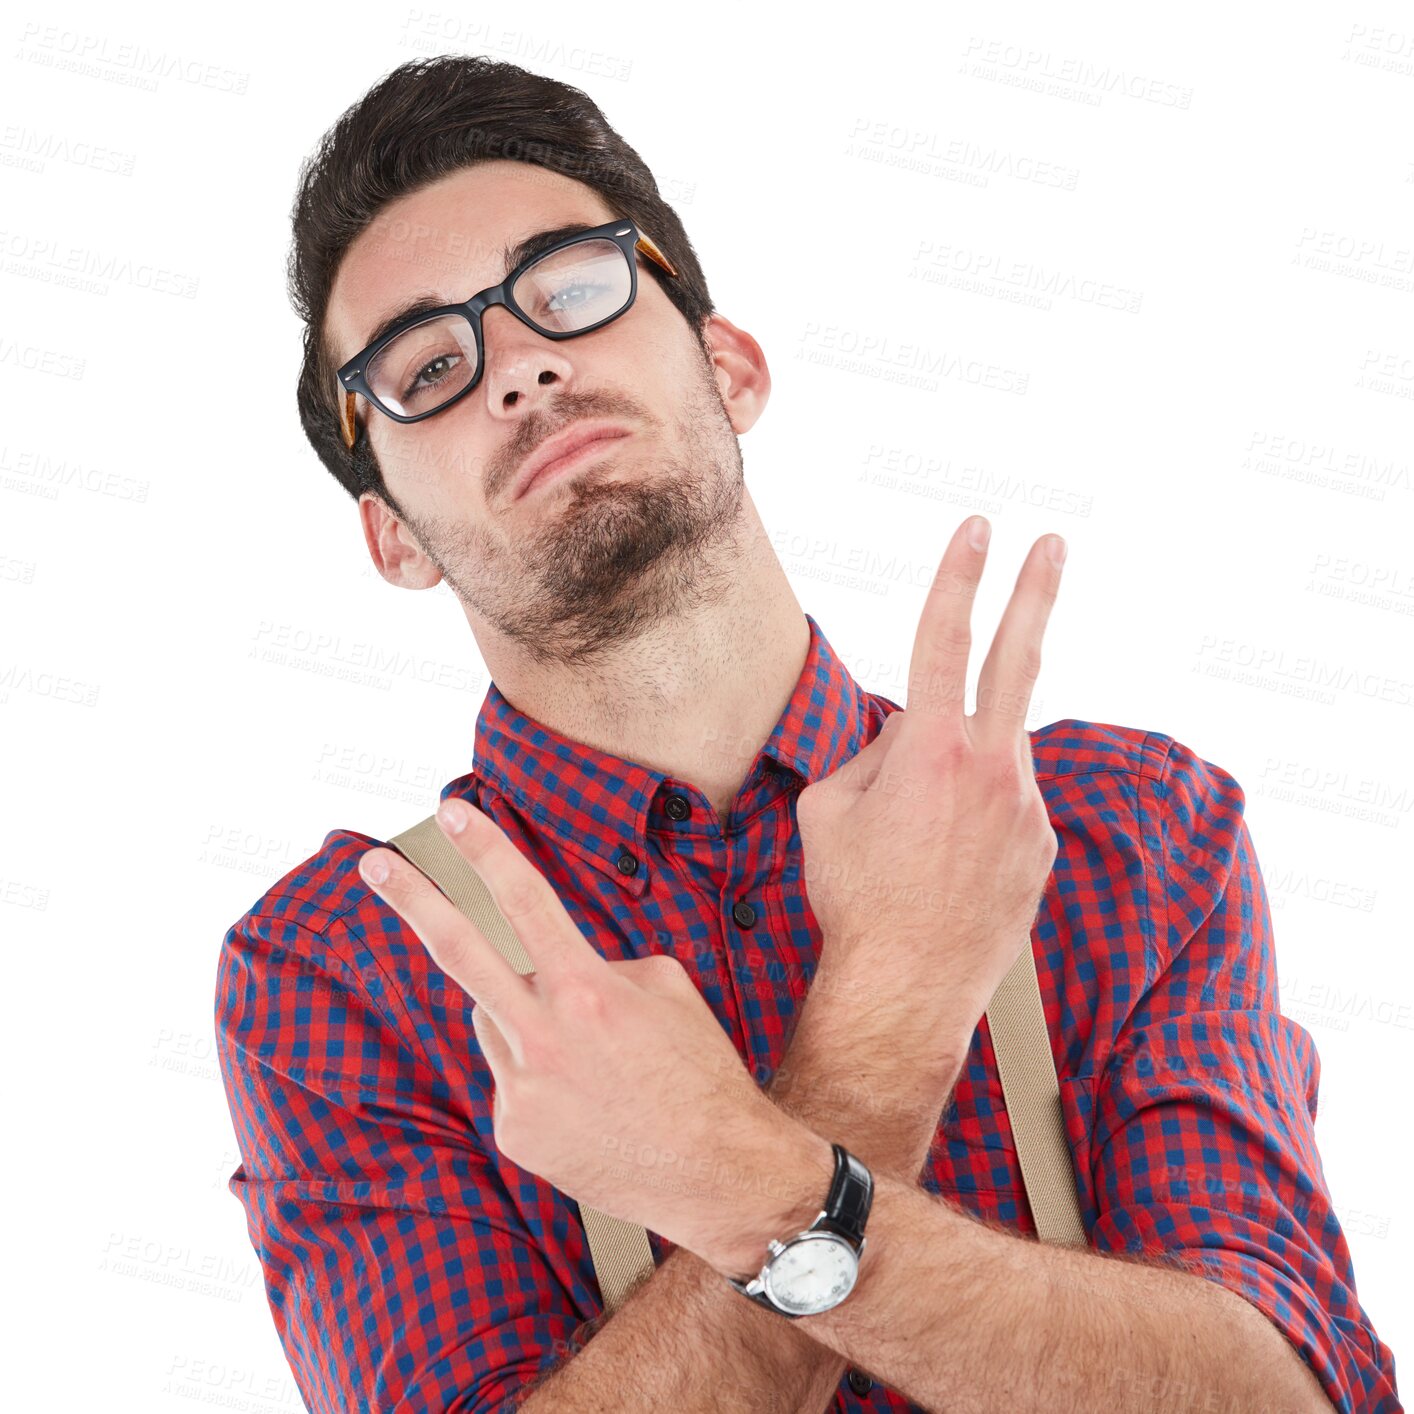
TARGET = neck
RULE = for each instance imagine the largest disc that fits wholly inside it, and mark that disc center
(697, 692)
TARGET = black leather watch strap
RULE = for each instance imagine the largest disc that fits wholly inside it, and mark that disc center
(850, 1197)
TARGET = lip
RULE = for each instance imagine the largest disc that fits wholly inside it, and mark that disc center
(562, 445)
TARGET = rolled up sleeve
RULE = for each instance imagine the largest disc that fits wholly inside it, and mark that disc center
(399, 1270)
(1204, 1149)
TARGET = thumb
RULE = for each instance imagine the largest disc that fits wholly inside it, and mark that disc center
(494, 1045)
(658, 972)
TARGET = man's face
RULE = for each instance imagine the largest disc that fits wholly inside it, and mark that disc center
(593, 554)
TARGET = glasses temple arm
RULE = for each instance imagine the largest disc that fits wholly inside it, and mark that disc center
(347, 425)
(654, 254)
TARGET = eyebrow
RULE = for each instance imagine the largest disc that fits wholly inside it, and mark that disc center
(425, 301)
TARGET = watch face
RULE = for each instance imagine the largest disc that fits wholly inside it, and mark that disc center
(815, 1272)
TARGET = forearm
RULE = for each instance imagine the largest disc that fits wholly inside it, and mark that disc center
(963, 1316)
(684, 1340)
(690, 1340)
(852, 1075)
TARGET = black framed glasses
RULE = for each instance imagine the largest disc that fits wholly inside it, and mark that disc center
(426, 362)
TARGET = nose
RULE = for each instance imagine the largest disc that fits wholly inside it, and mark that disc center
(523, 368)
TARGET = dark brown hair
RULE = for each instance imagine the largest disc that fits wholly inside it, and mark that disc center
(419, 123)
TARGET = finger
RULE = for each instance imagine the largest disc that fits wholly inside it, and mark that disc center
(494, 1045)
(1013, 662)
(521, 892)
(455, 944)
(865, 767)
(645, 971)
(658, 972)
(937, 671)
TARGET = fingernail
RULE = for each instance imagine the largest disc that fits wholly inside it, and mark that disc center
(1056, 550)
(979, 532)
(452, 813)
(374, 868)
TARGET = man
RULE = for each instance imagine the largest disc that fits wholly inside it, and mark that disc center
(659, 707)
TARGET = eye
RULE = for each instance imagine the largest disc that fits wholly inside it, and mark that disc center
(430, 374)
(563, 299)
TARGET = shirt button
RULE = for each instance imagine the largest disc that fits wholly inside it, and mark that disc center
(627, 863)
(744, 914)
(677, 807)
(859, 1382)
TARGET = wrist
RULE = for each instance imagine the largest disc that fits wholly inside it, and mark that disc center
(783, 1192)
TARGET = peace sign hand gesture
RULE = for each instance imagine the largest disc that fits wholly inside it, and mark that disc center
(926, 854)
(614, 1081)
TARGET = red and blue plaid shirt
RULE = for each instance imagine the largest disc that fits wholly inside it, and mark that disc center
(409, 1266)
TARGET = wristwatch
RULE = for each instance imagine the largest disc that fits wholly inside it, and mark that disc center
(816, 1269)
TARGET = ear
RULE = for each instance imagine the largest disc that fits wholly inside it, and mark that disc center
(741, 372)
(394, 552)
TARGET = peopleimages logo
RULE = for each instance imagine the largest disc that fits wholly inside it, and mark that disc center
(1065, 77)
(957, 158)
(121, 61)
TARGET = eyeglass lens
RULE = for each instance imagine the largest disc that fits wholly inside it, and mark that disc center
(570, 289)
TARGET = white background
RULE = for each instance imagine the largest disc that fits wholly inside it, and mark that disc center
(1145, 280)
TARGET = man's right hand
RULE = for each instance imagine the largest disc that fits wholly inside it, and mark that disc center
(927, 853)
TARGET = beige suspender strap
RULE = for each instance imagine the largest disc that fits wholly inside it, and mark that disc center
(621, 1252)
(622, 1256)
(1027, 1068)
(437, 857)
